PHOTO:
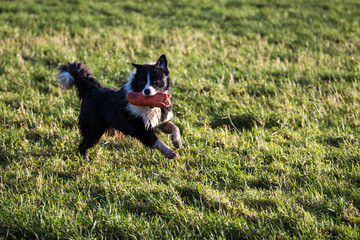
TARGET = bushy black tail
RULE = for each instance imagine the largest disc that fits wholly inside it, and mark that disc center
(79, 75)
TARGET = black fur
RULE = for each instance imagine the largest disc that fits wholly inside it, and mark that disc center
(84, 79)
(104, 107)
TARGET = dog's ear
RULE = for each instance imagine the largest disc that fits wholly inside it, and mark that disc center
(162, 62)
(137, 66)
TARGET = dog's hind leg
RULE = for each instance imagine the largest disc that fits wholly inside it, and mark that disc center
(90, 138)
(111, 132)
(172, 129)
(84, 145)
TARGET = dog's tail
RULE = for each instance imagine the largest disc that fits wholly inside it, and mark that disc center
(79, 75)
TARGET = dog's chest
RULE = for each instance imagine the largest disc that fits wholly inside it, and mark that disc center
(152, 117)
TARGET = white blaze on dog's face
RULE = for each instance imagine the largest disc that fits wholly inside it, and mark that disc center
(150, 79)
(148, 90)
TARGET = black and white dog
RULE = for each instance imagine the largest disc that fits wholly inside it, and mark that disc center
(104, 107)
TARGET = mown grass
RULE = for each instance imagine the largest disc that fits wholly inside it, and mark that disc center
(266, 96)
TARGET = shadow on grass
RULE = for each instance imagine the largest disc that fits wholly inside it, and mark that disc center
(11, 232)
(247, 121)
(193, 197)
(5, 157)
(148, 205)
(259, 204)
(261, 183)
(242, 122)
(332, 141)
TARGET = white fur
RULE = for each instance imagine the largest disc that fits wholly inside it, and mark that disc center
(149, 87)
(165, 149)
(151, 116)
(65, 79)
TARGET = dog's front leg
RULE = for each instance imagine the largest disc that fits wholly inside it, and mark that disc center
(148, 138)
(172, 129)
(167, 151)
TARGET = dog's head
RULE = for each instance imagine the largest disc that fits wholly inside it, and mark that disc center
(152, 78)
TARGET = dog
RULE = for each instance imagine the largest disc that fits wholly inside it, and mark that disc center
(104, 108)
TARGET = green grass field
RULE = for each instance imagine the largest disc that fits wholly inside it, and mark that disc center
(266, 95)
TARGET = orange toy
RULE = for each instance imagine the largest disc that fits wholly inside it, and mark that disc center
(161, 100)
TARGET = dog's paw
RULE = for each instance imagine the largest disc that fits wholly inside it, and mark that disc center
(168, 152)
(171, 154)
(87, 158)
(176, 140)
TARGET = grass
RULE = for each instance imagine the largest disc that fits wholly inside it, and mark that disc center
(266, 96)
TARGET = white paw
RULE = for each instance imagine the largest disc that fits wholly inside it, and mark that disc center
(170, 154)
(176, 140)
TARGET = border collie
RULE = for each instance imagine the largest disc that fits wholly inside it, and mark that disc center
(103, 107)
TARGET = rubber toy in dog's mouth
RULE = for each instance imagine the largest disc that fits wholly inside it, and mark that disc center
(160, 100)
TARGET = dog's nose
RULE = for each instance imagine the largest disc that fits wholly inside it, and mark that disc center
(147, 91)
